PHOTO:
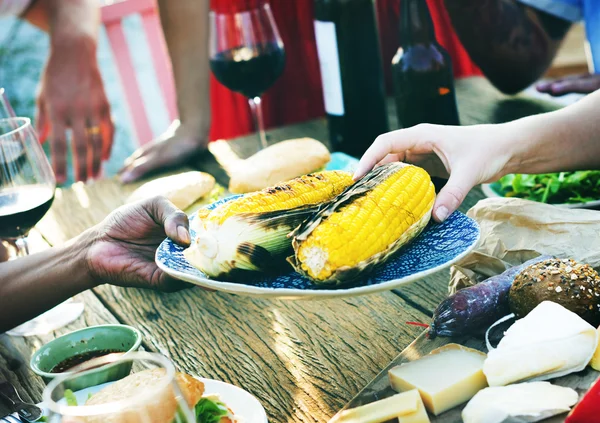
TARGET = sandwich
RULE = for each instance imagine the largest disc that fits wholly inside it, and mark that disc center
(159, 406)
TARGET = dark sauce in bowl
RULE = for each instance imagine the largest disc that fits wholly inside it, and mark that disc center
(68, 363)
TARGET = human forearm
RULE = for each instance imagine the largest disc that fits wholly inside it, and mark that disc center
(564, 140)
(65, 18)
(513, 44)
(33, 284)
(185, 24)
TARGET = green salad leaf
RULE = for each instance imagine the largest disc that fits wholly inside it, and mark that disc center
(70, 398)
(208, 411)
(552, 188)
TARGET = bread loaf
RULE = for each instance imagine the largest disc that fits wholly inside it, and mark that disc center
(183, 189)
(277, 163)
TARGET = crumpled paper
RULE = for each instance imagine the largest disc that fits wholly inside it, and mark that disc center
(515, 230)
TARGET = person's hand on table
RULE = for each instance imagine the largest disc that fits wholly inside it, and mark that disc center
(178, 145)
(467, 155)
(581, 84)
(120, 250)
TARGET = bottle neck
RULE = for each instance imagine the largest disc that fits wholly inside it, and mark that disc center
(416, 25)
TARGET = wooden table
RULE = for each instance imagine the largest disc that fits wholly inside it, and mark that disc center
(302, 360)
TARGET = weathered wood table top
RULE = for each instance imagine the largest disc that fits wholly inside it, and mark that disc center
(303, 360)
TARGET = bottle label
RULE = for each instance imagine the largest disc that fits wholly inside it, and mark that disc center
(329, 59)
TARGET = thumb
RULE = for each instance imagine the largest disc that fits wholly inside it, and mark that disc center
(453, 194)
(174, 221)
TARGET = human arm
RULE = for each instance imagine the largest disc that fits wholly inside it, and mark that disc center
(118, 251)
(564, 140)
(71, 93)
(513, 44)
(185, 25)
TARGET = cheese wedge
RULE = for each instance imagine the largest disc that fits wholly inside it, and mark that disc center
(383, 410)
(419, 416)
(595, 362)
(523, 402)
(549, 342)
(445, 378)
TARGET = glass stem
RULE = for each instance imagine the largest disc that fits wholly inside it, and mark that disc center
(255, 106)
(22, 247)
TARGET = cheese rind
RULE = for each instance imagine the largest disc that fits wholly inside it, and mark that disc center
(382, 410)
(445, 378)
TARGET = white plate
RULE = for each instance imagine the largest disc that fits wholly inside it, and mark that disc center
(242, 403)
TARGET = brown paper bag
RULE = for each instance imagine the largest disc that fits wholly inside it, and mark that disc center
(514, 231)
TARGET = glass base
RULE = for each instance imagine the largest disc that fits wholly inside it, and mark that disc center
(53, 319)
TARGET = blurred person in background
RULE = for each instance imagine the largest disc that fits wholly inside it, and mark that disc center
(209, 111)
(515, 41)
(71, 93)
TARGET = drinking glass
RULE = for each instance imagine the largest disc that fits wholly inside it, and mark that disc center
(6, 110)
(27, 187)
(247, 55)
(160, 401)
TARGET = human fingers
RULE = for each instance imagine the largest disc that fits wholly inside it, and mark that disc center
(42, 127)
(461, 181)
(174, 221)
(58, 146)
(80, 143)
(580, 86)
(94, 133)
(395, 142)
(107, 128)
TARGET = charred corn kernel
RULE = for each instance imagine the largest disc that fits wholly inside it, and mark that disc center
(250, 233)
(364, 225)
(308, 189)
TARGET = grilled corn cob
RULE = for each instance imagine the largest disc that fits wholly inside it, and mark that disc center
(250, 233)
(364, 225)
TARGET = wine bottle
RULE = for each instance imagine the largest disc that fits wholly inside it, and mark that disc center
(351, 73)
(422, 71)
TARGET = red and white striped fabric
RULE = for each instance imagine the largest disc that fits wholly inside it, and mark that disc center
(13, 7)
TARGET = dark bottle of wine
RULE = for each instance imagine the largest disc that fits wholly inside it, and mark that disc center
(351, 73)
(422, 71)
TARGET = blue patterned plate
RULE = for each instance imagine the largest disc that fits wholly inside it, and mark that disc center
(438, 247)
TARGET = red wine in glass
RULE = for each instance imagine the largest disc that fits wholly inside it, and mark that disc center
(249, 70)
(247, 55)
(22, 208)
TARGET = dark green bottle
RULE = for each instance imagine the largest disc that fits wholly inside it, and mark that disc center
(351, 72)
(422, 71)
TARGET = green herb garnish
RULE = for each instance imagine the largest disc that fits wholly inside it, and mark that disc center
(208, 411)
(70, 398)
(552, 188)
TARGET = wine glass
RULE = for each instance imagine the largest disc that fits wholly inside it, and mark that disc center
(247, 55)
(27, 187)
(159, 401)
(6, 110)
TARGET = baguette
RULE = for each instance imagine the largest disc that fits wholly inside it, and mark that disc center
(278, 163)
(182, 189)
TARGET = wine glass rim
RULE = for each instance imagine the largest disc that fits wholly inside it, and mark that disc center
(25, 122)
(110, 407)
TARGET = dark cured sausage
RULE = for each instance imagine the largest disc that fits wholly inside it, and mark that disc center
(476, 307)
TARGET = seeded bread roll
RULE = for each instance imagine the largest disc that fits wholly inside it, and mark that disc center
(278, 163)
(573, 285)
